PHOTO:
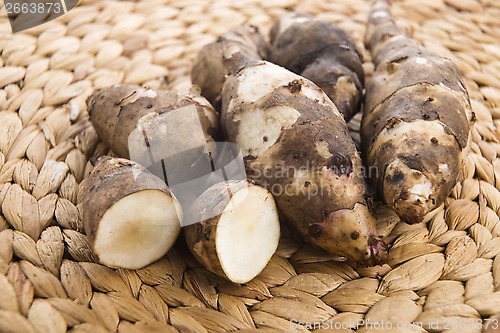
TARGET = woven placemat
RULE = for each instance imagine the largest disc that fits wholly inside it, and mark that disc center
(442, 275)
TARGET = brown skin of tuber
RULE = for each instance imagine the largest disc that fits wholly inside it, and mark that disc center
(322, 53)
(114, 180)
(200, 237)
(313, 141)
(417, 120)
(208, 72)
(116, 111)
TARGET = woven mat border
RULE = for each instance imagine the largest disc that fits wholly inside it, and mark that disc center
(443, 275)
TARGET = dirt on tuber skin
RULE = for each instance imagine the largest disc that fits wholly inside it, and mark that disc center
(208, 72)
(282, 121)
(323, 53)
(417, 120)
(118, 110)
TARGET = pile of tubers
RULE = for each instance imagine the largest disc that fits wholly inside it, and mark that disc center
(240, 220)
(285, 106)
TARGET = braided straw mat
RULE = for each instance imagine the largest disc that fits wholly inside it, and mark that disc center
(443, 275)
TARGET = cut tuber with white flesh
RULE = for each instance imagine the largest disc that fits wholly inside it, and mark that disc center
(131, 218)
(417, 119)
(239, 241)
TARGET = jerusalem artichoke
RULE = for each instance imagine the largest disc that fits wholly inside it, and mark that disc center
(237, 242)
(416, 123)
(208, 72)
(131, 218)
(323, 53)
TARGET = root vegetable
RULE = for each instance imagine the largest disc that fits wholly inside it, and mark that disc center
(417, 119)
(296, 144)
(323, 53)
(208, 72)
(131, 218)
(118, 110)
(238, 242)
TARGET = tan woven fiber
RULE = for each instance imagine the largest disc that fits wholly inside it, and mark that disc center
(443, 274)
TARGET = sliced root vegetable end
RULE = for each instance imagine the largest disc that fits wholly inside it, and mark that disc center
(247, 234)
(240, 240)
(137, 230)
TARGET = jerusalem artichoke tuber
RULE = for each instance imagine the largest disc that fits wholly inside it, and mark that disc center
(208, 72)
(323, 53)
(237, 242)
(131, 218)
(417, 118)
